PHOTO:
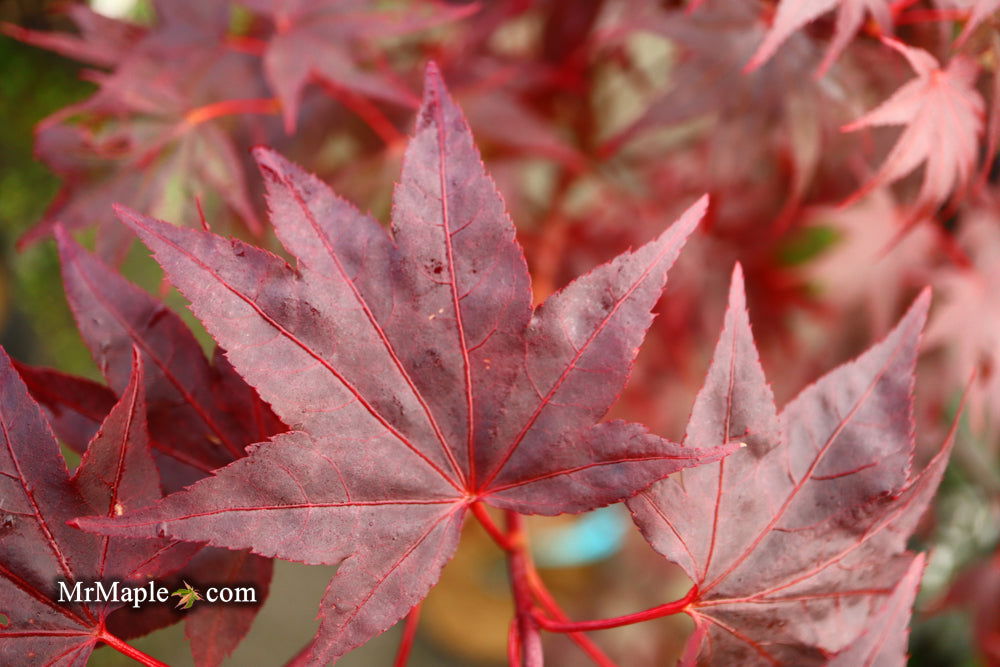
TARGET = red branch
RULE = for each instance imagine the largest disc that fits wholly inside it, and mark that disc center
(546, 599)
(514, 644)
(409, 632)
(529, 640)
(527, 584)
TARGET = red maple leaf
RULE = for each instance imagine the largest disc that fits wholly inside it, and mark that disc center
(38, 550)
(794, 542)
(943, 115)
(202, 415)
(332, 39)
(149, 130)
(416, 376)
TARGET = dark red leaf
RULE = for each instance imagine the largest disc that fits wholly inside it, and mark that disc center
(943, 114)
(794, 542)
(415, 374)
(201, 416)
(330, 39)
(38, 549)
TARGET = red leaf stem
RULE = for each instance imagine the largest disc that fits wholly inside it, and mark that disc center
(668, 609)
(198, 115)
(502, 539)
(129, 650)
(533, 583)
(546, 599)
(514, 644)
(409, 632)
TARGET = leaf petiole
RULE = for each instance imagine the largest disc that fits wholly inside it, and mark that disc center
(668, 609)
(129, 650)
(502, 539)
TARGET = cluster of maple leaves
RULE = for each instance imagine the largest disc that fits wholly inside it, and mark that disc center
(366, 403)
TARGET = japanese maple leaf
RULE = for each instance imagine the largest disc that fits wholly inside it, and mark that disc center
(148, 132)
(416, 376)
(793, 14)
(37, 549)
(202, 415)
(979, 11)
(966, 326)
(794, 542)
(943, 115)
(330, 39)
(102, 40)
(198, 417)
(776, 110)
(141, 139)
(845, 272)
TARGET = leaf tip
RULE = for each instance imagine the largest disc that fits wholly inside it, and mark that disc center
(432, 74)
(693, 216)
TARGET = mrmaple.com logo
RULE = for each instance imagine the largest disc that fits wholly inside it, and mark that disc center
(114, 592)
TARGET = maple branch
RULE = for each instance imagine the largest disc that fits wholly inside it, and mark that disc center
(364, 109)
(409, 632)
(542, 594)
(129, 650)
(668, 609)
(517, 562)
(514, 544)
(513, 644)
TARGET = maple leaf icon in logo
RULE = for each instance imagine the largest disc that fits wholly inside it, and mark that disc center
(188, 596)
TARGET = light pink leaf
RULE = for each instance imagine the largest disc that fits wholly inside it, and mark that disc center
(943, 115)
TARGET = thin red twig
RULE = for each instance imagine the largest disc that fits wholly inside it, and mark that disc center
(530, 649)
(409, 632)
(364, 109)
(257, 105)
(546, 599)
